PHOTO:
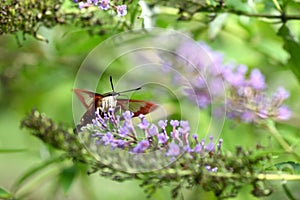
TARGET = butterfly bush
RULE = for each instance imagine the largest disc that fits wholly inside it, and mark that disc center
(245, 90)
(120, 132)
(201, 163)
(103, 5)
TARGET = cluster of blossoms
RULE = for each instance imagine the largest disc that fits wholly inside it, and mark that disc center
(210, 80)
(103, 5)
(121, 132)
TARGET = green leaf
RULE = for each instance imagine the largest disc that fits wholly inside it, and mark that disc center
(293, 48)
(288, 191)
(66, 177)
(31, 172)
(289, 166)
(12, 150)
(238, 5)
(4, 194)
(217, 24)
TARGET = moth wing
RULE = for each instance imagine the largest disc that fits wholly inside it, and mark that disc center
(87, 98)
(136, 106)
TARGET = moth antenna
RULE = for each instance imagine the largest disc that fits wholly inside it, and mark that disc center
(135, 89)
(111, 83)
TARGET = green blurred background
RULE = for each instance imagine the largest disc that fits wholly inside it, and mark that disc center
(41, 75)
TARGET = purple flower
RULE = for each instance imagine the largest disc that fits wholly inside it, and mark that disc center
(263, 113)
(162, 123)
(108, 139)
(281, 93)
(120, 143)
(237, 78)
(208, 167)
(127, 115)
(198, 148)
(82, 5)
(121, 10)
(215, 169)
(201, 98)
(124, 130)
(257, 79)
(144, 124)
(162, 138)
(187, 149)
(95, 2)
(104, 5)
(248, 116)
(175, 136)
(174, 123)
(195, 136)
(174, 150)
(141, 146)
(210, 146)
(284, 113)
(153, 130)
(184, 126)
(279, 96)
(200, 82)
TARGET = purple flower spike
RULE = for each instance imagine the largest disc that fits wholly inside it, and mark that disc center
(122, 134)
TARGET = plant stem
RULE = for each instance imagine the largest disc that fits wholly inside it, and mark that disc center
(260, 176)
(271, 127)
